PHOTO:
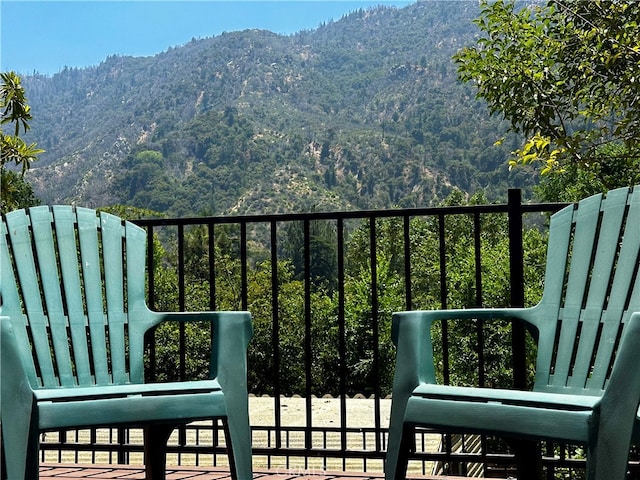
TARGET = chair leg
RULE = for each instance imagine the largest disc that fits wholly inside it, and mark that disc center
(21, 445)
(238, 435)
(398, 456)
(407, 446)
(155, 450)
(528, 459)
(230, 453)
(3, 467)
(607, 458)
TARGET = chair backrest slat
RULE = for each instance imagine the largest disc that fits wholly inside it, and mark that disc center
(93, 288)
(112, 237)
(66, 235)
(11, 303)
(560, 231)
(629, 263)
(47, 261)
(136, 249)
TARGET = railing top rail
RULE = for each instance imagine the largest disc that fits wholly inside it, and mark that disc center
(356, 214)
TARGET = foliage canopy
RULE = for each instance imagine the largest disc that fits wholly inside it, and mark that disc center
(566, 74)
(15, 192)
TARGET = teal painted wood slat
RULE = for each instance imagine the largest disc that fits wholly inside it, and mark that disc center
(11, 304)
(50, 279)
(18, 226)
(92, 281)
(136, 299)
(556, 264)
(586, 226)
(560, 232)
(68, 251)
(632, 234)
(112, 239)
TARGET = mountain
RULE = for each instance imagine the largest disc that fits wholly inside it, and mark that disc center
(363, 112)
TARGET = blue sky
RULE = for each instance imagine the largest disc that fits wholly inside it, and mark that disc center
(44, 36)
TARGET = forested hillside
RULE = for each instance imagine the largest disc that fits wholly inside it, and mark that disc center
(362, 112)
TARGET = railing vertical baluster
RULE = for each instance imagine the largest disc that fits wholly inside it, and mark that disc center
(307, 336)
(443, 304)
(243, 265)
(443, 296)
(181, 303)
(182, 434)
(375, 327)
(342, 341)
(516, 269)
(477, 245)
(150, 267)
(407, 261)
(211, 245)
(275, 333)
(212, 265)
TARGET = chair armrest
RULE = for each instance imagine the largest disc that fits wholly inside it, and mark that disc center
(411, 333)
(228, 365)
(232, 332)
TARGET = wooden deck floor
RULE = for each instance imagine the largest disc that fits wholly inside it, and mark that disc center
(67, 471)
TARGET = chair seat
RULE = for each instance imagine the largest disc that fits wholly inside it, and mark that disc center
(117, 391)
(509, 397)
(129, 404)
(517, 413)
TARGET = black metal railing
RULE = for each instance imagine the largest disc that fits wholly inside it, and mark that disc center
(251, 240)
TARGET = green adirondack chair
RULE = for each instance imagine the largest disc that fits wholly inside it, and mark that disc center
(587, 386)
(72, 342)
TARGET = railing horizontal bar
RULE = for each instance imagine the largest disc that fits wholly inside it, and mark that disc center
(360, 214)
